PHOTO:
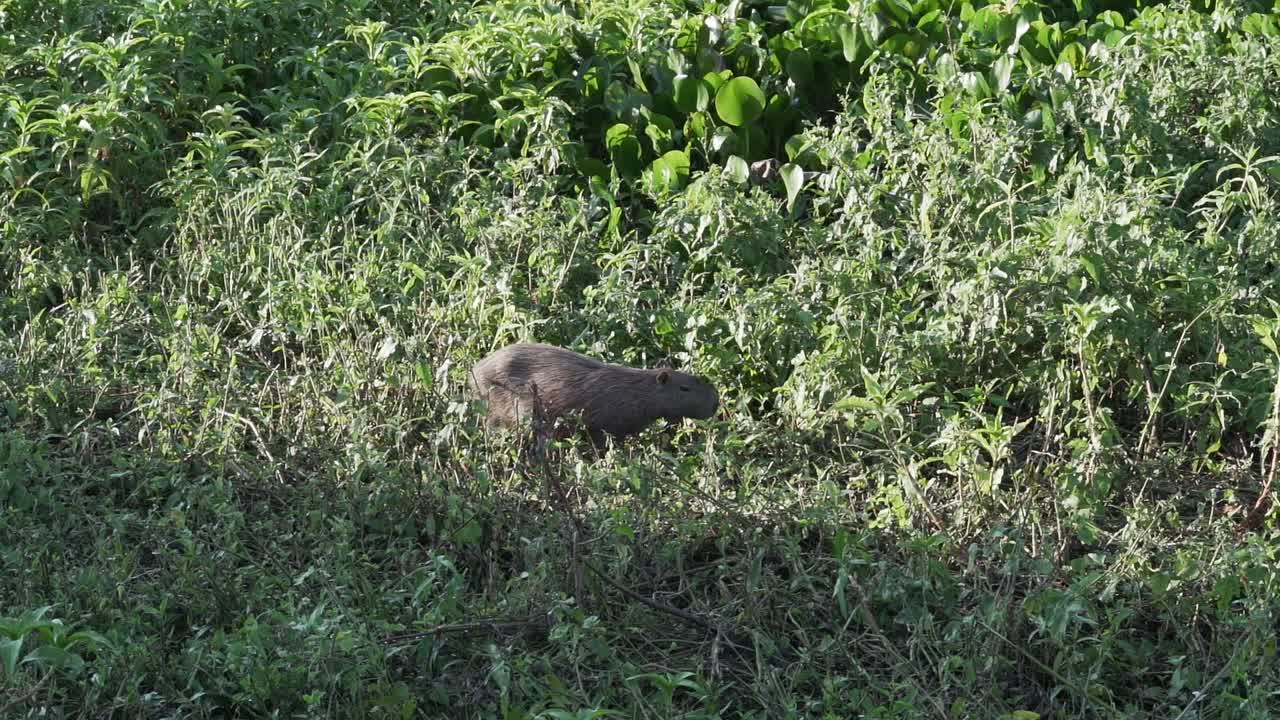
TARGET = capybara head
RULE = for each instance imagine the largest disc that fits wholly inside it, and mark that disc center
(680, 394)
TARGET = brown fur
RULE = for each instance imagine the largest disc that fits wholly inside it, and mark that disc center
(613, 399)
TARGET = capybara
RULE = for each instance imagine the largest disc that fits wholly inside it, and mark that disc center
(613, 399)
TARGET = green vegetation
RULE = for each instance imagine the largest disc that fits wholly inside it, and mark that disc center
(991, 294)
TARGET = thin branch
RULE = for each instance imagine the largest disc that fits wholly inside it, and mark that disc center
(463, 627)
(4, 709)
(660, 607)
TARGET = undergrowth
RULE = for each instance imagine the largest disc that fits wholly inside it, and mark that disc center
(996, 343)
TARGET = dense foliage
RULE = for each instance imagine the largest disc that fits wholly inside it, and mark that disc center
(991, 293)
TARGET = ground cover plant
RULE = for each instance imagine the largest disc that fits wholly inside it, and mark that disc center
(991, 294)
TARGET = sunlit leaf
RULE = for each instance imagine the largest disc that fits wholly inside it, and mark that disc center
(739, 101)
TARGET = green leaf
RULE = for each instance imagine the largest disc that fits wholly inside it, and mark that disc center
(696, 126)
(1001, 71)
(928, 18)
(724, 139)
(1048, 122)
(599, 188)
(874, 27)
(793, 179)
(624, 149)
(899, 10)
(738, 169)
(437, 77)
(1073, 54)
(946, 67)
(854, 402)
(661, 131)
(1259, 24)
(1265, 334)
(624, 101)
(9, 650)
(799, 150)
(1023, 25)
(1090, 267)
(483, 136)
(51, 656)
(848, 41)
(739, 101)
(903, 44)
(469, 534)
(636, 75)
(591, 167)
(669, 173)
(976, 84)
(692, 94)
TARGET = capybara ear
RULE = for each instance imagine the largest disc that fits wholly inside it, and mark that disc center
(663, 376)
(665, 363)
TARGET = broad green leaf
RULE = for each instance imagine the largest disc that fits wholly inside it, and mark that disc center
(89, 638)
(708, 62)
(854, 403)
(1112, 18)
(624, 149)
(669, 173)
(738, 169)
(593, 81)
(800, 151)
(600, 188)
(793, 179)
(691, 94)
(679, 163)
(469, 534)
(740, 101)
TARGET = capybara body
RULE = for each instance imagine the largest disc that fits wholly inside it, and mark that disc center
(612, 399)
